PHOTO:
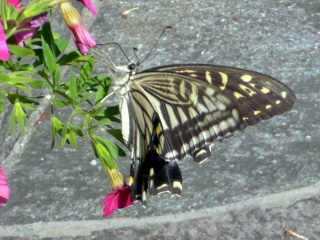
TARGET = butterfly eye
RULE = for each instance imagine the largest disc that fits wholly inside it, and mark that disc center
(132, 66)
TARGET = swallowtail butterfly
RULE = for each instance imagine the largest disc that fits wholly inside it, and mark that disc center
(169, 112)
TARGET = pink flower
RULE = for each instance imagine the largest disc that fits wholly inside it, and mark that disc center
(119, 198)
(4, 188)
(82, 38)
(121, 195)
(33, 26)
(81, 35)
(15, 3)
(89, 5)
(4, 50)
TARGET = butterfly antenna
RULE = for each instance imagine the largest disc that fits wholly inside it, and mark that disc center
(111, 67)
(154, 45)
(117, 44)
(106, 61)
(135, 50)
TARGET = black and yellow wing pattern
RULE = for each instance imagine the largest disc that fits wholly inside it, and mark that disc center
(172, 111)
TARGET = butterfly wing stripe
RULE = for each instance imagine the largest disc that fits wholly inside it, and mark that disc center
(171, 147)
(258, 90)
(137, 182)
(148, 170)
(171, 116)
(181, 136)
(173, 111)
(141, 114)
(127, 123)
(208, 114)
(137, 128)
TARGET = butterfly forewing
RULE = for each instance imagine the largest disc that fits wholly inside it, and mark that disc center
(258, 96)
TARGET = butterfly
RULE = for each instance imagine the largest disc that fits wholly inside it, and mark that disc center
(170, 112)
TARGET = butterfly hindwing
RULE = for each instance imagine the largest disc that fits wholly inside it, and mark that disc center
(151, 172)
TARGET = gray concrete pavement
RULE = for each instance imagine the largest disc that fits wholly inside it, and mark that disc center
(256, 185)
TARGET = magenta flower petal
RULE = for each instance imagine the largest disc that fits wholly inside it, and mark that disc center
(119, 198)
(33, 26)
(81, 35)
(82, 38)
(4, 188)
(15, 3)
(4, 50)
(89, 5)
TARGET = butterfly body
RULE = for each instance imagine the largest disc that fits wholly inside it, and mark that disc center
(172, 111)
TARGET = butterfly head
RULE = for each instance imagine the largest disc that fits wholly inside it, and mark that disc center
(130, 68)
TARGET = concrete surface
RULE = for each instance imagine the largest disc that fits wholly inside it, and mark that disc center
(257, 184)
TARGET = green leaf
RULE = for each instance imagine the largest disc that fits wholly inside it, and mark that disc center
(35, 8)
(105, 121)
(21, 51)
(25, 67)
(22, 87)
(72, 138)
(20, 114)
(63, 93)
(2, 101)
(62, 45)
(12, 97)
(59, 103)
(102, 91)
(17, 77)
(86, 71)
(28, 106)
(57, 124)
(17, 116)
(69, 58)
(56, 128)
(56, 77)
(79, 131)
(64, 136)
(73, 87)
(102, 152)
(7, 11)
(13, 78)
(20, 82)
(85, 97)
(40, 59)
(106, 112)
(4, 10)
(69, 134)
(36, 85)
(121, 152)
(57, 37)
(12, 125)
(117, 133)
(111, 147)
(109, 111)
(48, 48)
